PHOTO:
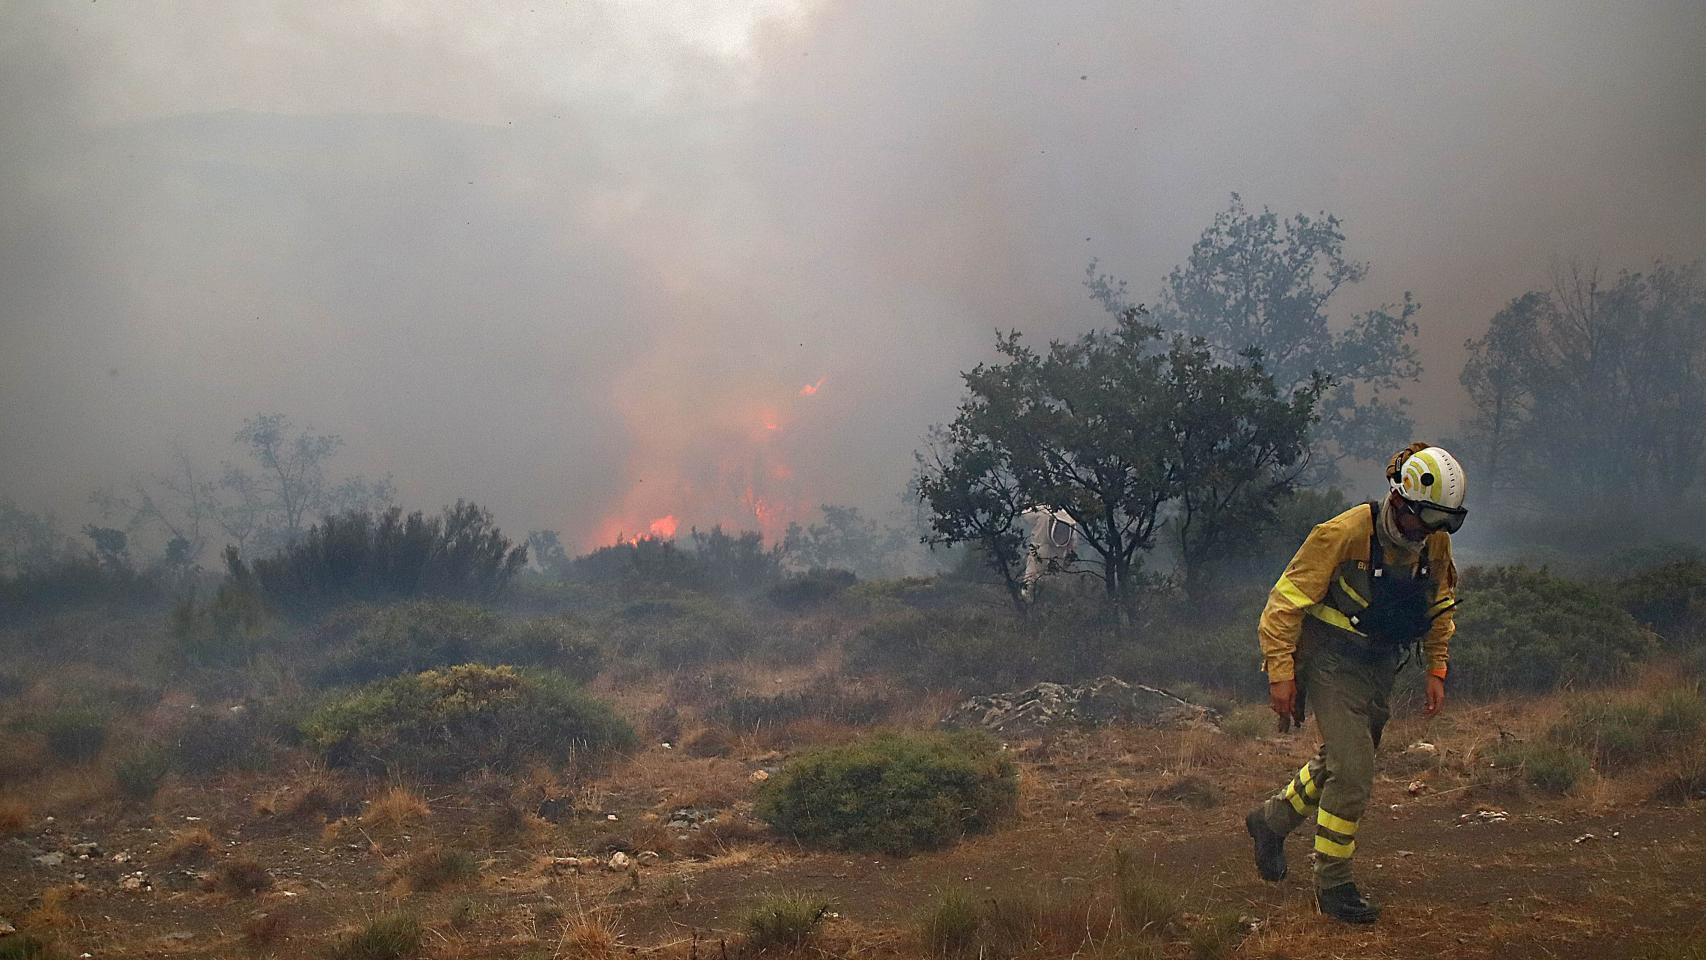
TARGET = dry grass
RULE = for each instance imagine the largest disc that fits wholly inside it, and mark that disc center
(591, 934)
(191, 845)
(703, 783)
(265, 929)
(22, 756)
(53, 912)
(383, 938)
(313, 793)
(395, 809)
(241, 877)
(14, 816)
(433, 868)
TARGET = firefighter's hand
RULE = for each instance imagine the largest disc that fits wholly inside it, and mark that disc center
(1436, 695)
(1282, 697)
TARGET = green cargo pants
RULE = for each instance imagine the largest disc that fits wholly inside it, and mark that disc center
(1349, 691)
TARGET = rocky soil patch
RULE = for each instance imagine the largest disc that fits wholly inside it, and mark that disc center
(1102, 701)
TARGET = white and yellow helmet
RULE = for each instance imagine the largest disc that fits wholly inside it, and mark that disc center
(1433, 481)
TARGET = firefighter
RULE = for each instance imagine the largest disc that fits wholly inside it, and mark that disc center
(1366, 587)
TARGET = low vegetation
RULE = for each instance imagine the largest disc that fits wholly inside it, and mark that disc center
(1533, 632)
(894, 793)
(448, 723)
(785, 920)
(434, 868)
(390, 937)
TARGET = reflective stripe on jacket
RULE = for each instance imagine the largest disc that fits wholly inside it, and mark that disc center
(1330, 569)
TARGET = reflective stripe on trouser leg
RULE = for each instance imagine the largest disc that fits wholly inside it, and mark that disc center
(1295, 803)
(1335, 837)
(1349, 697)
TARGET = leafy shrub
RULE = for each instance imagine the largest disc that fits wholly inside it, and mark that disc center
(636, 567)
(358, 556)
(737, 562)
(75, 583)
(1551, 767)
(1527, 630)
(784, 920)
(895, 793)
(555, 643)
(426, 634)
(446, 723)
(813, 588)
(1670, 599)
(140, 774)
(74, 733)
(672, 634)
(213, 741)
(409, 638)
(227, 630)
(1618, 733)
(964, 650)
(384, 938)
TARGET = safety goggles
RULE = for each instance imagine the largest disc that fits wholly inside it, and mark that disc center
(1436, 517)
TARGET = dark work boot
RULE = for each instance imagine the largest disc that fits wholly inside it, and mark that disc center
(1343, 902)
(1270, 847)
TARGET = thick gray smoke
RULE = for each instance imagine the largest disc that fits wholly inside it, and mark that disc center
(580, 261)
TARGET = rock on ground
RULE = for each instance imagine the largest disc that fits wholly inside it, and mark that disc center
(1102, 701)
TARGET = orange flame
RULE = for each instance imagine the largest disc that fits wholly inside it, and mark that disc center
(704, 461)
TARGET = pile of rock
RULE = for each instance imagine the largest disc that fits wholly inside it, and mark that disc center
(1102, 701)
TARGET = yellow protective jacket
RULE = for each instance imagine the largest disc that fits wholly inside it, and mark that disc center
(1333, 564)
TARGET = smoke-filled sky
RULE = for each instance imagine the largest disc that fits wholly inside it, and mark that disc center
(602, 262)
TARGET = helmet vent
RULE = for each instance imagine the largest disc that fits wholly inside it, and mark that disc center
(1427, 479)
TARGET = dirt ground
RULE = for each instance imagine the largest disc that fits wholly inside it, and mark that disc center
(1599, 873)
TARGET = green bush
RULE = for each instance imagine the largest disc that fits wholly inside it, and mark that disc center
(73, 584)
(385, 938)
(447, 723)
(813, 588)
(894, 793)
(686, 632)
(75, 733)
(409, 638)
(1619, 733)
(1527, 630)
(783, 920)
(140, 774)
(219, 740)
(227, 630)
(1551, 767)
(965, 650)
(357, 556)
(559, 644)
(1670, 599)
(379, 642)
